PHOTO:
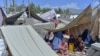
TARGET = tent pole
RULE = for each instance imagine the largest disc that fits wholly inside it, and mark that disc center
(23, 9)
(6, 6)
(99, 20)
(29, 7)
(14, 5)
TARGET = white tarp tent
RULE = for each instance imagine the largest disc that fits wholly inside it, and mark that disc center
(49, 15)
(25, 41)
(1, 18)
(3, 51)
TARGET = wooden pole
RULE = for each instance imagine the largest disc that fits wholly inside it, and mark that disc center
(99, 20)
(6, 6)
(14, 5)
(29, 7)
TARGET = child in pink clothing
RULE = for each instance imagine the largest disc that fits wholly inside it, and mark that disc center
(63, 47)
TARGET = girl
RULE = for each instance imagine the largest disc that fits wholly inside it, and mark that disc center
(63, 47)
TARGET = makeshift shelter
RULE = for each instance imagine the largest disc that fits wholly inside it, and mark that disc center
(95, 24)
(49, 15)
(82, 22)
(33, 14)
(21, 19)
(1, 18)
(3, 15)
(83, 18)
(10, 20)
(25, 41)
(88, 19)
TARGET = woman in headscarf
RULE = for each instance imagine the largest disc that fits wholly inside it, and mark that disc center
(57, 39)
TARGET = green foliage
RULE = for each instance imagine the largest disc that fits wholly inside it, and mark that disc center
(35, 8)
(11, 9)
(45, 10)
(18, 8)
(21, 7)
(59, 11)
(67, 11)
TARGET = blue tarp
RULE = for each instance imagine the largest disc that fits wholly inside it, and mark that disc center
(57, 39)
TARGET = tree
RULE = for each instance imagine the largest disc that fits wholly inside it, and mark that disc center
(39, 9)
(34, 8)
(59, 11)
(67, 11)
(45, 10)
(11, 9)
(20, 8)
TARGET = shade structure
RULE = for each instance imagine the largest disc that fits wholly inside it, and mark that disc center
(4, 16)
(25, 41)
(1, 18)
(49, 15)
(13, 18)
(34, 15)
(83, 18)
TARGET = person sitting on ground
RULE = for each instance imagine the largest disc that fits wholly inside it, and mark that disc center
(71, 42)
(71, 39)
(80, 44)
(97, 39)
(75, 42)
(63, 47)
(66, 34)
(47, 36)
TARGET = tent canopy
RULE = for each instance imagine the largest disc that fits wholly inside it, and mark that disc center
(13, 18)
(49, 15)
(10, 20)
(25, 41)
(34, 15)
(84, 17)
(4, 16)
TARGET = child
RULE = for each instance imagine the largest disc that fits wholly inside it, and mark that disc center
(80, 43)
(63, 47)
(47, 36)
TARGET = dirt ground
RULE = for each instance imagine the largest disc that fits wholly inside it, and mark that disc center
(74, 54)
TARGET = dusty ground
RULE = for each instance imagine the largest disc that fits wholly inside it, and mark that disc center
(74, 54)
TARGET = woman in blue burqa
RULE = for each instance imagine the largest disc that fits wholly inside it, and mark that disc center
(87, 38)
(57, 39)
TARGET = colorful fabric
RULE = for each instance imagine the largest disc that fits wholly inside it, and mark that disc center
(57, 39)
(63, 48)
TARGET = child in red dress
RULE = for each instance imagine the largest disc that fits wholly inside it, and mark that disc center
(63, 47)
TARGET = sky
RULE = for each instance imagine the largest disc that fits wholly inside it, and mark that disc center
(64, 4)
